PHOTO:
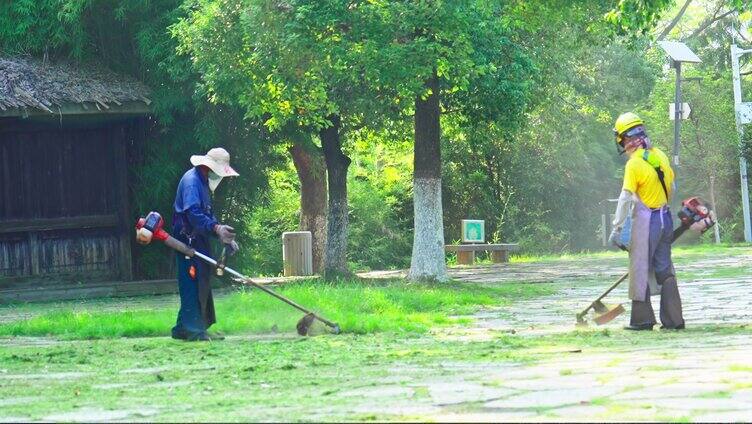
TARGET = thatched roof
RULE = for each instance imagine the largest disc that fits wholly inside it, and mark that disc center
(30, 83)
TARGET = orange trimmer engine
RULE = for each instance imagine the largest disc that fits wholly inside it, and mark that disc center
(150, 227)
(696, 215)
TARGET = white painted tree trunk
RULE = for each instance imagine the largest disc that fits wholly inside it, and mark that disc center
(428, 260)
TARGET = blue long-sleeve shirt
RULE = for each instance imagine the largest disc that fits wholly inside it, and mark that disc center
(193, 216)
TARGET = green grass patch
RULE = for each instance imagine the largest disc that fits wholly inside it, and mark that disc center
(681, 253)
(608, 339)
(741, 386)
(740, 368)
(604, 254)
(727, 272)
(705, 248)
(274, 379)
(720, 394)
(657, 368)
(239, 379)
(359, 307)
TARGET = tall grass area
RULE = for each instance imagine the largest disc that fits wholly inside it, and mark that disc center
(358, 307)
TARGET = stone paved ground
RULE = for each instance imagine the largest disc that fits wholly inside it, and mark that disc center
(707, 378)
(702, 374)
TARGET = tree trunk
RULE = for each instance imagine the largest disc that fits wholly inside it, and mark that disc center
(428, 258)
(309, 162)
(673, 22)
(335, 263)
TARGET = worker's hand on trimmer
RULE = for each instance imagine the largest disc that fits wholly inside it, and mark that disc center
(225, 233)
(615, 237)
(232, 248)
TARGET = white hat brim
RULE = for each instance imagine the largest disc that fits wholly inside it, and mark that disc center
(217, 168)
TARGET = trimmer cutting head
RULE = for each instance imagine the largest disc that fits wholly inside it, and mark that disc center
(307, 326)
(604, 313)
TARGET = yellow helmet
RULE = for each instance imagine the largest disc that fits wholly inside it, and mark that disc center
(624, 123)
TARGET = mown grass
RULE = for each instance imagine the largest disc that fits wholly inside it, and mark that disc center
(358, 307)
(291, 379)
(257, 380)
(600, 339)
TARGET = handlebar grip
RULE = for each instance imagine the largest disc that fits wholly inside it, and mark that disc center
(178, 245)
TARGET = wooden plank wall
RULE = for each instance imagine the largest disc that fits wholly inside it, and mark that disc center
(14, 255)
(62, 211)
(63, 173)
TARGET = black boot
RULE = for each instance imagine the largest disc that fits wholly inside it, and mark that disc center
(678, 327)
(215, 335)
(641, 327)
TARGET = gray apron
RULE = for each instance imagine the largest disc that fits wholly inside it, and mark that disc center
(641, 272)
(205, 298)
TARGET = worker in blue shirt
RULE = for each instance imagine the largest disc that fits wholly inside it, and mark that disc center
(193, 223)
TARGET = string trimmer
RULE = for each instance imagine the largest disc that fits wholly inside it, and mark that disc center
(695, 215)
(151, 227)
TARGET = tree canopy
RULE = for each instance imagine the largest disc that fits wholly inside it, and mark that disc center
(514, 102)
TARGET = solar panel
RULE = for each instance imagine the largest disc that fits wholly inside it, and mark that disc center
(679, 51)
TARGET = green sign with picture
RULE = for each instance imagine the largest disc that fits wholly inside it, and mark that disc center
(473, 231)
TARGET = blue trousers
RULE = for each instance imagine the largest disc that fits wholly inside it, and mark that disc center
(196, 312)
(661, 237)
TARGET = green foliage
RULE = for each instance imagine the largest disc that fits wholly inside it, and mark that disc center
(545, 183)
(379, 238)
(358, 307)
(746, 143)
(398, 46)
(529, 92)
(261, 56)
(380, 230)
(261, 229)
(637, 16)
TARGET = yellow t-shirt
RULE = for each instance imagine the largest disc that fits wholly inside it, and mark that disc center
(640, 177)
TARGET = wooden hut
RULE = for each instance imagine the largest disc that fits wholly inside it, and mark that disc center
(65, 135)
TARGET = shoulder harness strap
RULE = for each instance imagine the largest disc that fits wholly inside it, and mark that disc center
(658, 170)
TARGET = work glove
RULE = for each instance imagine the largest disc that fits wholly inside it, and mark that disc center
(232, 248)
(225, 233)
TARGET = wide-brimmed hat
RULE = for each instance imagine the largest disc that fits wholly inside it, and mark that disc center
(216, 159)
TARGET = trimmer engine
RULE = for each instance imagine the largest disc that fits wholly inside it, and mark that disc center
(149, 227)
(696, 215)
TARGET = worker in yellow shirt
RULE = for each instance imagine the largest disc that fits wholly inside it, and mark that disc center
(648, 181)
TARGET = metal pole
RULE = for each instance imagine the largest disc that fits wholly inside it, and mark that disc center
(677, 127)
(745, 199)
(735, 53)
